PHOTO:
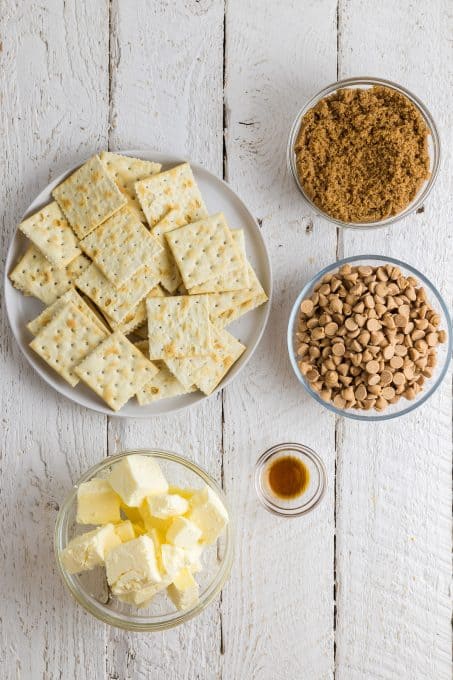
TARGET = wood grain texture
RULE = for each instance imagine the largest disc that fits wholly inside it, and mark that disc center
(166, 94)
(278, 607)
(393, 487)
(54, 91)
(79, 76)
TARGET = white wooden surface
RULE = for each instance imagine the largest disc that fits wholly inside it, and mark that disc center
(360, 588)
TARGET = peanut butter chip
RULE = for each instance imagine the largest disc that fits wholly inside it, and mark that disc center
(373, 325)
(400, 320)
(306, 307)
(399, 379)
(374, 379)
(360, 393)
(388, 352)
(351, 325)
(396, 362)
(386, 378)
(338, 349)
(331, 329)
(372, 366)
(388, 393)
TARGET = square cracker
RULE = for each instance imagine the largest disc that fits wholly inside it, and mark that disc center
(206, 372)
(116, 370)
(88, 197)
(120, 246)
(178, 326)
(49, 230)
(232, 279)
(66, 340)
(125, 171)
(116, 303)
(226, 307)
(163, 385)
(175, 188)
(205, 250)
(71, 295)
(170, 277)
(137, 316)
(34, 275)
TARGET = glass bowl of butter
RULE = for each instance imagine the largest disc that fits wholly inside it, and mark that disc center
(144, 540)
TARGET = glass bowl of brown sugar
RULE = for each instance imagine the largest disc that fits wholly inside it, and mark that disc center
(364, 152)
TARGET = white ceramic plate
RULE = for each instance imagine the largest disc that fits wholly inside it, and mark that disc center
(219, 197)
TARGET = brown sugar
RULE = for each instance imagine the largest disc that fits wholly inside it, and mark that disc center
(362, 154)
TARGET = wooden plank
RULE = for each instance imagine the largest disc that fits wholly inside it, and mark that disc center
(53, 63)
(393, 487)
(166, 94)
(277, 608)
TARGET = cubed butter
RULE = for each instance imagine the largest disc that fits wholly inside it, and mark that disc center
(183, 591)
(135, 477)
(209, 514)
(185, 493)
(132, 566)
(173, 559)
(183, 533)
(97, 503)
(90, 549)
(165, 505)
(142, 598)
(193, 558)
(150, 522)
(125, 530)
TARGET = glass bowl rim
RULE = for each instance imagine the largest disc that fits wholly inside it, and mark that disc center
(101, 612)
(317, 497)
(344, 412)
(433, 130)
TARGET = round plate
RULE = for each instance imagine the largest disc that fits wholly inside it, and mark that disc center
(219, 197)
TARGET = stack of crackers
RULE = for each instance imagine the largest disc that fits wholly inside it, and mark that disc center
(139, 282)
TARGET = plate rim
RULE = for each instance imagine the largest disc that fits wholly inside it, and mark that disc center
(35, 205)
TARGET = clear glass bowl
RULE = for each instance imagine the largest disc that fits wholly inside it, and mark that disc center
(90, 588)
(443, 350)
(306, 501)
(433, 148)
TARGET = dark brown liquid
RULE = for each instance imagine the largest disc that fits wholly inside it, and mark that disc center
(288, 477)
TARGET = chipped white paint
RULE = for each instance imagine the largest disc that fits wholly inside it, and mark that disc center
(162, 86)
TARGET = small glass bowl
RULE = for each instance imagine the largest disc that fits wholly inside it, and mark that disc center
(443, 350)
(433, 149)
(306, 501)
(90, 588)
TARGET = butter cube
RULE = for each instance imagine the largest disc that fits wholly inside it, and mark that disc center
(183, 533)
(142, 598)
(209, 514)
(132, 566)
(97, 503)
(186, 493)
(193, 558)
(167, 505)
(135, 477)
(90, 549)
(125, 531)
(183, 592)
(150, 522)
(173, 559)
